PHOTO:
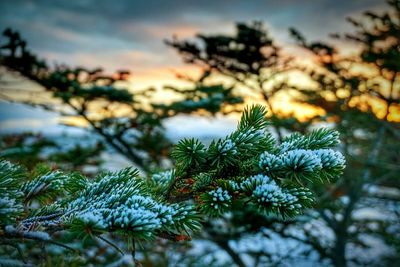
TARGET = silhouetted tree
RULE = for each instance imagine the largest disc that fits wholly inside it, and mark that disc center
(127, 122)
(361, 95)
(250, 58)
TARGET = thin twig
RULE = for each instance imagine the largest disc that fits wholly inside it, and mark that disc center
(111, 244)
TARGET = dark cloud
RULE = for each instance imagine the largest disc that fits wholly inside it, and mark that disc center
(62, 28)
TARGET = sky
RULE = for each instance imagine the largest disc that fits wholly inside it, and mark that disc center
(129, 34)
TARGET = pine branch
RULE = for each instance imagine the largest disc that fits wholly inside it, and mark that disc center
(244, 169)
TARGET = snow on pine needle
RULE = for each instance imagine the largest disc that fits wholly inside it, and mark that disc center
(245, 170)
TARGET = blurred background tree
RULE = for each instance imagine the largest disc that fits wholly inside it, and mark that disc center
(250, 59)
(129, 123)
(31, 149)
(361, 96)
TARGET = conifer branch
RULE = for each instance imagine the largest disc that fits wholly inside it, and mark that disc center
(244, 169)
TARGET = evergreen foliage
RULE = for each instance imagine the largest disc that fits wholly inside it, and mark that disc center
(207, 181)
(130, 123)
(237, 186)
(204, 97)
(250, 58)
(360, 93)
(365, 82)
(31, 150)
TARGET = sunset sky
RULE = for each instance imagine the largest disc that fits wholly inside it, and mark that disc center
(129, 34)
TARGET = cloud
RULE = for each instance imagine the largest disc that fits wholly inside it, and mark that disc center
(94, 24)
(161, 31)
